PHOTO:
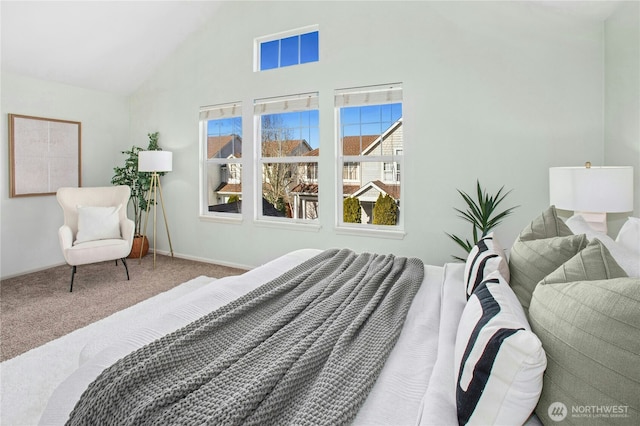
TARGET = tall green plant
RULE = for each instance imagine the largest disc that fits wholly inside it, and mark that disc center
(351, 210)
(139, 182)
(385, 211)
(481, 214)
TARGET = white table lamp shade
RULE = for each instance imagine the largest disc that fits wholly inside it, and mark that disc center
(155, 161)
(594, 189)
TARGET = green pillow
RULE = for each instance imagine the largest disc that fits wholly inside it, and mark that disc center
(590, 331)
(594, 262)
(547, 225)
(531, 261)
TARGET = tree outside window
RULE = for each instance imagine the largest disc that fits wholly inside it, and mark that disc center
(288, 157)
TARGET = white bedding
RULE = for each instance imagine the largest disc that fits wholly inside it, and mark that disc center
(439, 403)
(400, 395)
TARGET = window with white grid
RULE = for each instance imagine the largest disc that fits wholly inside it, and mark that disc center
(294, 47)
(287, 153)
(370, 155)
(221, 153)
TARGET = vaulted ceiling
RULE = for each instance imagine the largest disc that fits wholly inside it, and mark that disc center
(104, 45)
(115, 45)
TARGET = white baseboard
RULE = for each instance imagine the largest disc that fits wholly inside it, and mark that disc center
(202, 259)
(166, 253)
(42, 268)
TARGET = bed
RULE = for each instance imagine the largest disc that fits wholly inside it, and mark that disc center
(428, 376)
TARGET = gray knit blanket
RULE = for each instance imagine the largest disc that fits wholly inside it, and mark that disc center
(303, 349)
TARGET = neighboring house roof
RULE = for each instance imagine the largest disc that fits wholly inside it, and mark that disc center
(349, 190)
(351, 145)
(383, 136)
(353, 190)
(305, 188)
(393, 190)
(236, 207)
(229, 188)
(269, 210)
(224, 146)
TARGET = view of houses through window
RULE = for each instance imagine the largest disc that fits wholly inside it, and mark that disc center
(369, 152)
(287, 129)
(223, 156)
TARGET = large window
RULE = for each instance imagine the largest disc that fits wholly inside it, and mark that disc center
(287, 131)
(286, 49)
(221, 147)
(370, 155)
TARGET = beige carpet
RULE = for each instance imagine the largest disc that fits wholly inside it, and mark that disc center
(38, 307)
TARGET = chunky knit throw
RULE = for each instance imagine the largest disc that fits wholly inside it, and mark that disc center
(303, 349)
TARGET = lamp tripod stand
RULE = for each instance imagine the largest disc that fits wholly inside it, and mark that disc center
(153, 191)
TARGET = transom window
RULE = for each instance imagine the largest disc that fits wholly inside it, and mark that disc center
(370, 155)
(291, 48)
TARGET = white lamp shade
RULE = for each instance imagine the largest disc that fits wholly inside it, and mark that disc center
(594, 189)
(155, 161)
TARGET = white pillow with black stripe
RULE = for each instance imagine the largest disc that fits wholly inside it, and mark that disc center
(499, 361)
(485, 257)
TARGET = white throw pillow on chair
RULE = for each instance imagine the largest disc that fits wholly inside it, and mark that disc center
(98, 223)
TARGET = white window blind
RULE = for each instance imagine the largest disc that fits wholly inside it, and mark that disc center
(382, 94)
(214, 112)
(299, 102)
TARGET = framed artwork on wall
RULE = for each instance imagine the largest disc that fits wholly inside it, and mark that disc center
(44, 155)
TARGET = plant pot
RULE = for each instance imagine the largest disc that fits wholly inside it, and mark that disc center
(138, 241)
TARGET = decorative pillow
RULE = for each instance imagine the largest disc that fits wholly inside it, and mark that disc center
(594, 262)
(629, 235)
(626, 258)
(547, 225)
(484, 258)
(590, 331)
(531, 261)
(98, 223)
(500, 361)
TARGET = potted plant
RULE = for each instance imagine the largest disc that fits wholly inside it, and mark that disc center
(481, 213)
(139, 182)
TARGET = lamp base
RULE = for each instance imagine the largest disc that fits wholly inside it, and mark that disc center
(597, 221)
(154, 188)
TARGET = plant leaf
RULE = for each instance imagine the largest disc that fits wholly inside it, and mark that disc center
(481, 214)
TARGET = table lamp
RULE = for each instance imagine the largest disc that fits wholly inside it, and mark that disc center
(592, 192)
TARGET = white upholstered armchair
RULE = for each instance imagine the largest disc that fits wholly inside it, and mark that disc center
(96, 227)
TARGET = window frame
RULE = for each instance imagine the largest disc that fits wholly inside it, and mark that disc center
(208, 113)
(358, 97)
(277, 105)
(284, 35)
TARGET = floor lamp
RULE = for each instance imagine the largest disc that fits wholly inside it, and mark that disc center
(155, 162)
